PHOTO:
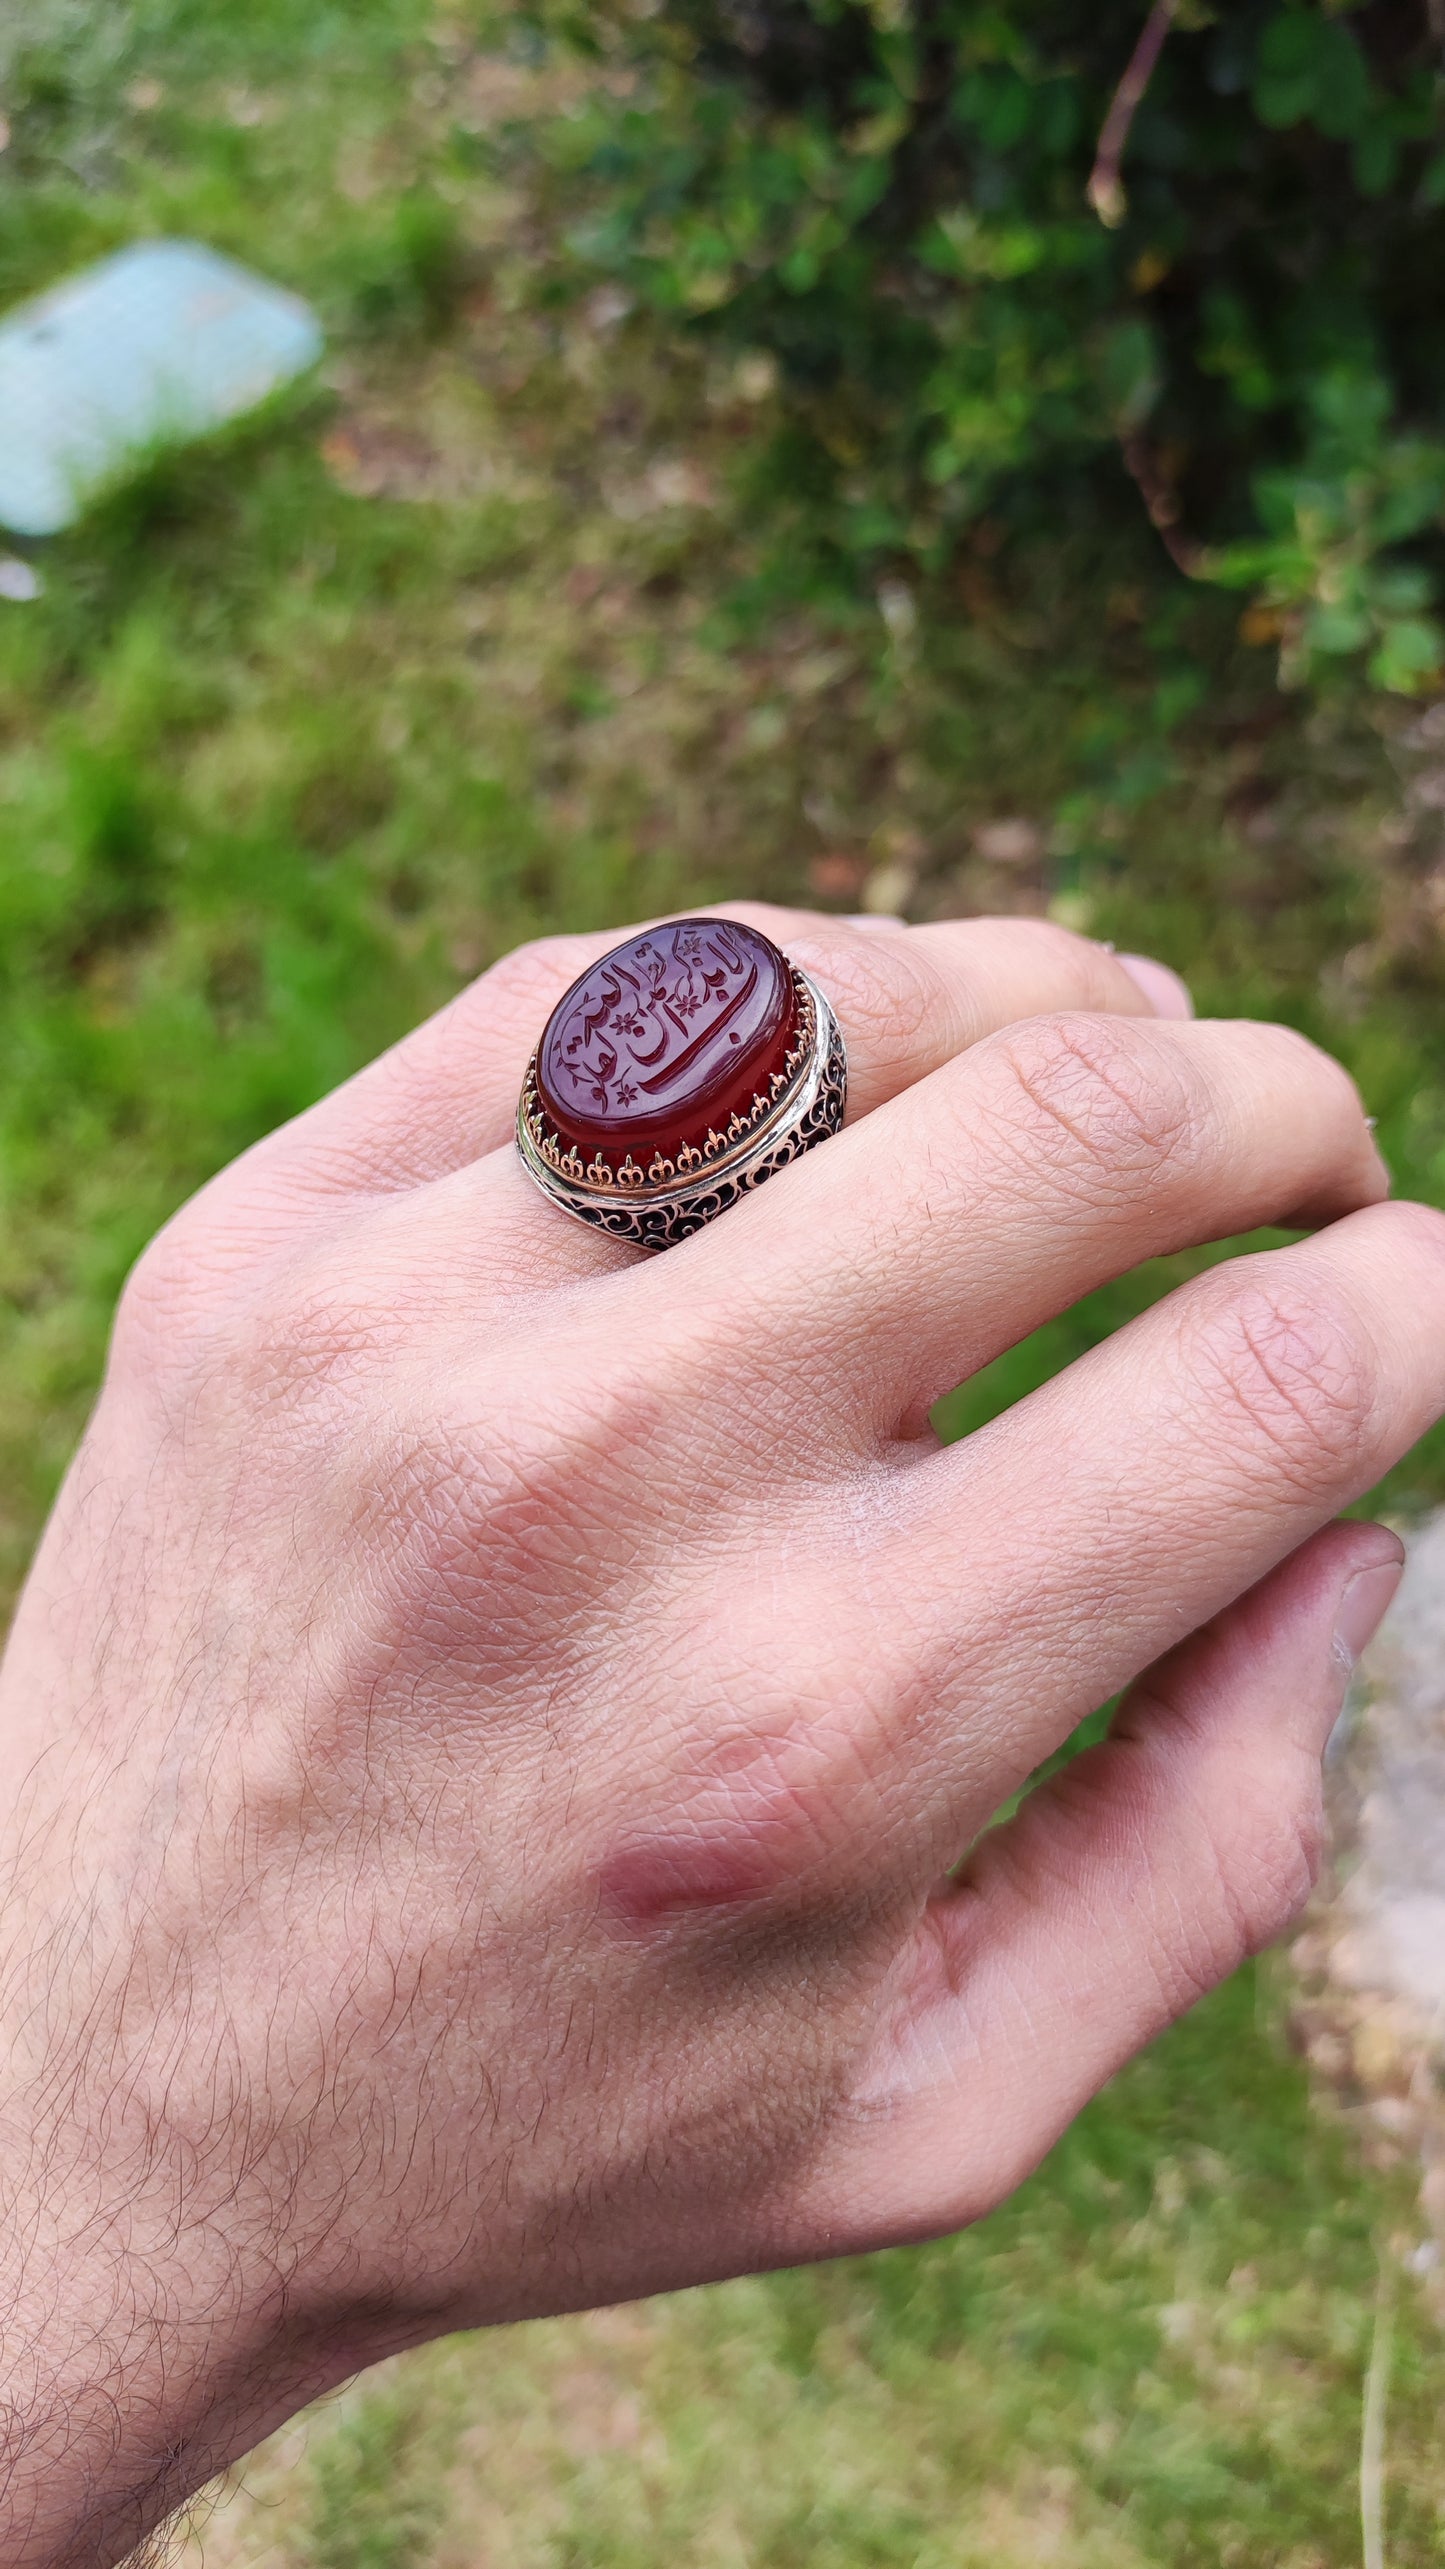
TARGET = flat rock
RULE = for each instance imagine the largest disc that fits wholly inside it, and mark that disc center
(1390, 1911)
(163, 342)
(1370, 1964)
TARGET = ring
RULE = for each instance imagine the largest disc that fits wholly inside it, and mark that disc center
(680, 1072)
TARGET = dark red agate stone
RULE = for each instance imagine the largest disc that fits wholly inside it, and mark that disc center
(665, 1039)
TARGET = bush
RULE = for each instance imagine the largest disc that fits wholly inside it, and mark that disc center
(987, 286)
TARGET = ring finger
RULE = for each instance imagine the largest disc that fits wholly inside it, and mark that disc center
(907, 1000)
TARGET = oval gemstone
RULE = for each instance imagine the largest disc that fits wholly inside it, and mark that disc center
(666, 1039)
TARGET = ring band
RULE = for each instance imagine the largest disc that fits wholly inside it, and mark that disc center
(678, 1074)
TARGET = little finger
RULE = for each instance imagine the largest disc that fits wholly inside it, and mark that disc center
(1127, 1886)
(1034, 1569)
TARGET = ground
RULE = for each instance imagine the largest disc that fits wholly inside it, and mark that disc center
(486, 633)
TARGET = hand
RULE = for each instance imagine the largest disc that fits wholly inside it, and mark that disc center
(494, 1721)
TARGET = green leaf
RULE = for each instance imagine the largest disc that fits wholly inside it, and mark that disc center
(1342, 83)
(1284, 82)
(1410, 654)
(1400, 589)
(1375, 160)
(1337, 630)
(998, 104)
(1311, 66)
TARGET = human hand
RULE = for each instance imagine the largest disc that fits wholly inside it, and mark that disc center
(493, 1721)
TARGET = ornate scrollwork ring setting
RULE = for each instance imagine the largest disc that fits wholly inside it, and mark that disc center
(681, 1072)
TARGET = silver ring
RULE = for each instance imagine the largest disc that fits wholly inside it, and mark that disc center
(665, 1194)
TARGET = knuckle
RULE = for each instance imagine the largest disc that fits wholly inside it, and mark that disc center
(321, 1330)
(1101, 1093)
(1253, 1876)
(738, 1843)
(889, 1002)
(175, 1295)
(1295, 1365)
(1298, 1051)
(1065, 960)
(1421, 1227)
(153, 1298)
(533, 976)
(1294, 1073)
(1266, 1876)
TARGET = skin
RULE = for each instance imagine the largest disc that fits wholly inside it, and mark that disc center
(497, 1726)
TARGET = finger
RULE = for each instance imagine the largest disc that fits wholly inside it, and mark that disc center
(1001, 1189)
(1032, 1571)
(906, 998)
(1128, 1885)
(910, 999)
(897, 1261)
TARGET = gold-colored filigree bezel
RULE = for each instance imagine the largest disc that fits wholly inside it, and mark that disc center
(600, 1178)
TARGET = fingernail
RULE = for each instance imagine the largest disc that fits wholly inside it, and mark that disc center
(1383, 1169)
(1167, 995)
(874, 919)
(1362, 1609)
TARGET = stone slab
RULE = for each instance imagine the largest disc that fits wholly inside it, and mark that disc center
(161, 343)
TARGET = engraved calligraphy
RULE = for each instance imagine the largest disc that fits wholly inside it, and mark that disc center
(649, 1021)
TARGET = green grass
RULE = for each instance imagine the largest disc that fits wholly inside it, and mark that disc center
(1153, 2354)
(479, 636)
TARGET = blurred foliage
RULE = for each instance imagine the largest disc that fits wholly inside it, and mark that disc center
(889, 200)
